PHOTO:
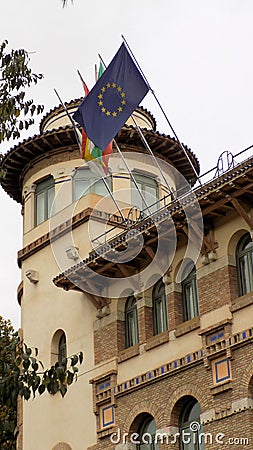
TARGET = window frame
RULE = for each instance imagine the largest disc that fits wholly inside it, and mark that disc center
(62, 348)
(145, 180)
(184, 423)
(92, 181)
(131, 317)
(44, 186)
(241, 253)
(190, 282)
(159, 303)
(144, 428)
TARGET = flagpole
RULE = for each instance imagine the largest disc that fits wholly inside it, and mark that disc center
(81, 78)
(113, 198)
(103, 178)
(131, 175)
(150, 151)
(161, 108)
(71, 120)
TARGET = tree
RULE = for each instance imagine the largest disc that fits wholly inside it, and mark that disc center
(16, 111)
(22, 374)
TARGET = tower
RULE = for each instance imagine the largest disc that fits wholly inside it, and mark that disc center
(159, 304)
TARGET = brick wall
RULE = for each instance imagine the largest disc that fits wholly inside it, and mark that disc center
(165, 398)
(145, 321)
(175, 309)
(109, 340)
(217, 289)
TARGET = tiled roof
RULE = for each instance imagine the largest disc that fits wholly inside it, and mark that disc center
(17, 160)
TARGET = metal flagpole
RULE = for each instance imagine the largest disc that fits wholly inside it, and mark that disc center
(131, 175)
(150, 151)
(71, 120)
(160, 106)
(79, 144)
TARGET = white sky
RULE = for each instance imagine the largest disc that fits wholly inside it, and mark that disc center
(196, 54)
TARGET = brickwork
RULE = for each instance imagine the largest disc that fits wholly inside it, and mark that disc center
(228, 412)
(225, 408)
(217, 289)
(145, 321)
(109, 340)
(175, 309)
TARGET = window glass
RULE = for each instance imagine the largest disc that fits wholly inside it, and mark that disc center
(245, 264)
(85, 181)
(190, 438)
(160, 314)
(100, 188)
(146, 434)
(62, 348)
(44, 200)
(149, 192)
(131, 322)
(50, 202)
(81, 188)
(190, 293)
(40, 208)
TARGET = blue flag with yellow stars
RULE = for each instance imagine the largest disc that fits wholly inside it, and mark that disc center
(112, 100)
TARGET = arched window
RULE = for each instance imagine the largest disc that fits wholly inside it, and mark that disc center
(149, 190)
(190, 427)
(85, 181)
(146, 434)
(131, 322)
(44, 200)
(190, 293)
(160, 310)
(244, 255)
(62, 348)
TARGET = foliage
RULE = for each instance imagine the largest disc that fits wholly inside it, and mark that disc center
(16, 111)
(22, 374)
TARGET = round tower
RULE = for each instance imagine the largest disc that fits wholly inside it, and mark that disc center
(68, 217)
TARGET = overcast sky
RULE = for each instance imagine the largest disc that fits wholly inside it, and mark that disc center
(196, 54)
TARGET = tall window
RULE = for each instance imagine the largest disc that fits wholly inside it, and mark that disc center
(62, 348)
(149, 190)
(190, 293)
(245, 264)
(44, 199)
(190, 427)
(131, 322)
(146, 434)
(85, 181)
(160, 313)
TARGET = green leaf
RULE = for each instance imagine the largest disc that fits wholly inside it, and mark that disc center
(63, 390)
(74, 360)
(41, 389)
(70, 378)
(80, 357)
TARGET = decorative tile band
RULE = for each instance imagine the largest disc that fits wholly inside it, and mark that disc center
(162, 371)
(185, 362)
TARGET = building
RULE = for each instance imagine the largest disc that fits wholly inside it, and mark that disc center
(161, 305)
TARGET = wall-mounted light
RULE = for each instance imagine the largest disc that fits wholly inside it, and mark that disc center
(72, 252)
(32, 275)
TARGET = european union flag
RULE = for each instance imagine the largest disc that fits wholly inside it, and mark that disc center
(112, 100)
